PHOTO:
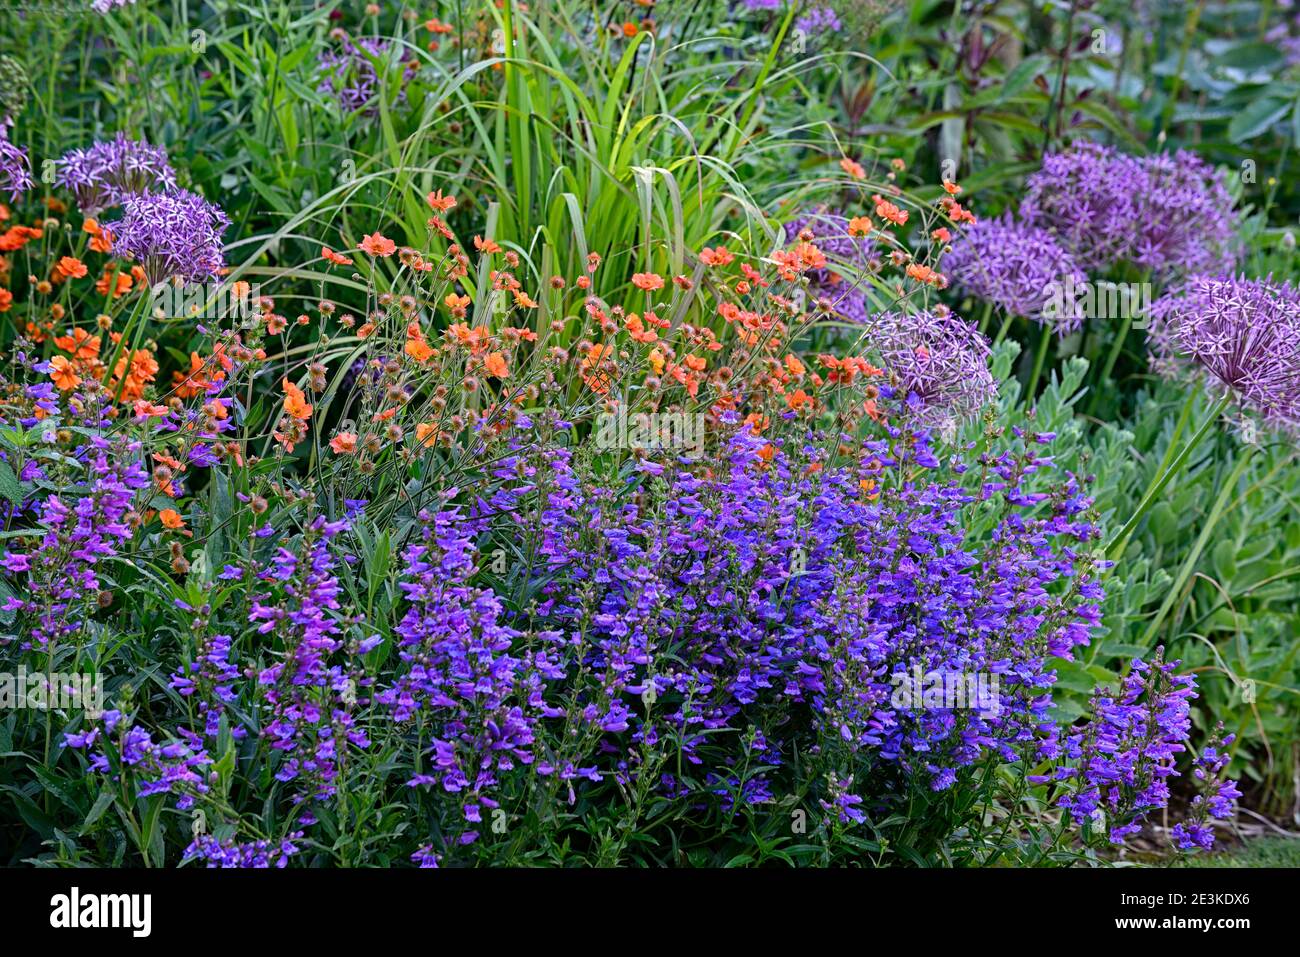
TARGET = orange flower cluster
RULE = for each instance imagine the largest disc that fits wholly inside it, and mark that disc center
(131, 373)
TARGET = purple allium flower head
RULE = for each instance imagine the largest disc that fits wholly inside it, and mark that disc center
(1244, 333)
(940, 363)
(350, 76)
(108, 172)
(176, 233)
(1016, 267)
(15, 170)
(1169, 214)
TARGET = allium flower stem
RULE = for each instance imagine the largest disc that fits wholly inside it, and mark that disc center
(1116, 350)
(1002, 333)
(1038, 364)
(1207, 527)
(1189, 31)
(136, 315)
(1117, 544)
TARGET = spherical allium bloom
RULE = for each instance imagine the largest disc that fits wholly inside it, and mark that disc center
(105, 174)
(13, 90)
(849, 257)
(350, 76)
(15, 170)
(176, 233)
(939, 362)
(1019, 268)
(1169, 214)
(1241, 333)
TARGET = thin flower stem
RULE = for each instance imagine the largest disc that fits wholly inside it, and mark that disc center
(1118, 543)
(1038, 363)
(1189, 564)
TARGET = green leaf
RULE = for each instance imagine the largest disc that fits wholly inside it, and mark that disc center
(10, 487)
(1256, 118)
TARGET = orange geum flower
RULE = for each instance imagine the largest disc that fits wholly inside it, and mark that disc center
(122, 285)
(102, 240)
(440, 202)
(888, 211)
(377, 245)
(860, 226)
(81, 344)
(295, 401)
(426, 433)
(798, 399)
(648, 281)
(853, 168)
(495, 363)
(951, 188)
(337, 259)
(147, 410)
(927, 275)
(458, 305)
(488, 246)
(171, 518)
(418, 349)
(69, 267)
(63, 374)
(345, 443)
(718, 256)
(6, 300)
